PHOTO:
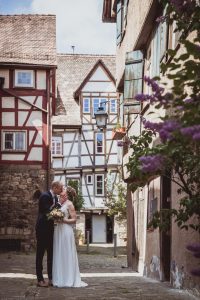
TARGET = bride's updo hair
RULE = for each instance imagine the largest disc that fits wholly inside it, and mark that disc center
(71, 192)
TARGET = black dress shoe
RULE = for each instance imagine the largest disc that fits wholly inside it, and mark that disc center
(42, 284)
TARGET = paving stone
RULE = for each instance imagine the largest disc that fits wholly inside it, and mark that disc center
(114, 283)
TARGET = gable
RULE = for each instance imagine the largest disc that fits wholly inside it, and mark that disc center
(99, 81)
(99, 75)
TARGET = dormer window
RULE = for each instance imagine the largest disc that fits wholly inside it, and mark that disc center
(24, 78)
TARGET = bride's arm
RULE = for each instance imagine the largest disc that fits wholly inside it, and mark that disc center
(72, 213)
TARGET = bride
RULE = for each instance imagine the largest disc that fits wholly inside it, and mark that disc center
(65, 261)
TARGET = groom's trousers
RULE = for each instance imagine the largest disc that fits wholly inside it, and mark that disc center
(44, 243)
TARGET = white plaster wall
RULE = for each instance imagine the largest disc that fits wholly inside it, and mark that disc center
(100, 75)
(99, 86)
(35, 154)
(35, 119)
(8, 119)
(41, 80)
(13, 156)
(99, 202)
(38, 140)
(99, 160)
(72, 162)
(8, 102)
(57, 163)
(86, 161)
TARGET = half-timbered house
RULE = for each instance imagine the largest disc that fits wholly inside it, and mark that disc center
(27, 93)
(80, 151)
(142, 44)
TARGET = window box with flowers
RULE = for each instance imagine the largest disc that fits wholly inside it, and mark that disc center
(118, 132)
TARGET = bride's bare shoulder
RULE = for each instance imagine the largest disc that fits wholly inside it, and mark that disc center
(70, 204)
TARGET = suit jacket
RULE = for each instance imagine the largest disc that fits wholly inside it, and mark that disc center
(43, 225)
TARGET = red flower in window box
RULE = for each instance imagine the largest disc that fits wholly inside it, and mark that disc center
(118, 133)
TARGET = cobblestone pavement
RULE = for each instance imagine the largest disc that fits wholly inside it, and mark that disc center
(107, 278)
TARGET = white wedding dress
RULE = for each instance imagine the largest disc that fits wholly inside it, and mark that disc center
(65, 261)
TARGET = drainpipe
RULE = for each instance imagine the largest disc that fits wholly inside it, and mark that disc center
(49, 124)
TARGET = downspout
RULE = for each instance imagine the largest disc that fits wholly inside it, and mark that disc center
(49, 125)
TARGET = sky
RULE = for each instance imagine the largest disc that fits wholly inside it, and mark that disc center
(78, 23)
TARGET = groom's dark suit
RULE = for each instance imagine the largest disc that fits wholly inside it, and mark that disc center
(44, 234)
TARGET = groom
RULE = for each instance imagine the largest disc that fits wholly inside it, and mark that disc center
(44, 232)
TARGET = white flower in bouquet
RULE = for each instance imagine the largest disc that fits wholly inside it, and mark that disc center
(56, 215)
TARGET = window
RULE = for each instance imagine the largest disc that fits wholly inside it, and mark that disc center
(57, 145)
(14, 140)
(86, 105)
(99, 142)
(113, 105)
(99, 185)
(96, 104)
(122, 7)
(89, 179)
(24, 78)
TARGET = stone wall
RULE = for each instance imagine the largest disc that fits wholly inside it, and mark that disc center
(120, 228)
(18, 209)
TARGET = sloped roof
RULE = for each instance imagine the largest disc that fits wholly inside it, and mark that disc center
(72, 71)
(28, 39)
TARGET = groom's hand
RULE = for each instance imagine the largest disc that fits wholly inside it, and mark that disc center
(57, 205)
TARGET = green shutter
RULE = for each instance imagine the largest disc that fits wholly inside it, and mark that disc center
(133, 76)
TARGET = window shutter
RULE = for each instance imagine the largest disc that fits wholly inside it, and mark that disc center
(119, 21)
(133, 77)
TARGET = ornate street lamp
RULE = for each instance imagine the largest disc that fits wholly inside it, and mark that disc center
(101, 117)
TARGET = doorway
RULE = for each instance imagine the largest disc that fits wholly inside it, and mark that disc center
(165, 237)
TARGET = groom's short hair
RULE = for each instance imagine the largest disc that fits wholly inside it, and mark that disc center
(56, 184)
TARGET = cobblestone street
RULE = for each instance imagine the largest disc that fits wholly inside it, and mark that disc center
(107, 278)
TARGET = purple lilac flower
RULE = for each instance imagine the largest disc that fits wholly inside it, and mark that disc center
(179, 107)
(193, 131)
(155, 87)
(184, 6)
(165, 129)
(189, 100)
(152, 126)
(155, 96)
(194, 247)
(151, 163)
(177, 5)
(161, 19)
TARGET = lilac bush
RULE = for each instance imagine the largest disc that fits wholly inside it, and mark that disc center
(179, 131)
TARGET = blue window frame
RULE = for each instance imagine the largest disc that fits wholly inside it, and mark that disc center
(113, 105)
(99, 142)
(86, 105)
(96, 104)
(24, 78)
(99, 185)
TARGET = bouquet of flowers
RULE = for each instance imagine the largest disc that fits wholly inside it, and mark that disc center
(56, 215)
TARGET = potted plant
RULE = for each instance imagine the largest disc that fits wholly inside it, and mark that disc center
(118, 132)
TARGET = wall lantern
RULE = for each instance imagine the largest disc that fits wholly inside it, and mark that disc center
(101, 117)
